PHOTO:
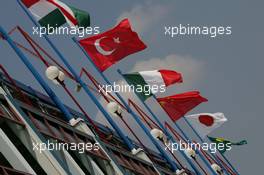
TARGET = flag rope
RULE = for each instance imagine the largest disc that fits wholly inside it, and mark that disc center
(179, 137)
(230, 170)
(175, 133)
(143, 115)
(46, 63)
(69, 75)
(94, 81)
(202, 140)
(64, 70)
(208, 157)
(72, 70)
(107, 99)
(212, 160)
(37, 53)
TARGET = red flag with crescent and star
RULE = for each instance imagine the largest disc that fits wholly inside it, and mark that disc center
(176, 106)
(205, 123)
(107, 48)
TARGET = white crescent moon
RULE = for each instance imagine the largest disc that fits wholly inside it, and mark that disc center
(100, 49)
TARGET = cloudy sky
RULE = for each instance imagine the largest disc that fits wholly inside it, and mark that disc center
(227, 69)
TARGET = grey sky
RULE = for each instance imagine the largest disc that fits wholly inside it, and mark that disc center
(227, 70)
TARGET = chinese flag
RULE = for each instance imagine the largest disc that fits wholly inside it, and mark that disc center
(107, 48)
(176, 106)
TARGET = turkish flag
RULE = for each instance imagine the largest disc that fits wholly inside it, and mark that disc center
(107, 48)
(176, 106)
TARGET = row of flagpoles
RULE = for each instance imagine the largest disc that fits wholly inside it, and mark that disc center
(101, 60)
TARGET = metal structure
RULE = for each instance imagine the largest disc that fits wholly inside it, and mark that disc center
(28, 117)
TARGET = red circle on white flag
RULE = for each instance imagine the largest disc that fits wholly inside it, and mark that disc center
(207, 120)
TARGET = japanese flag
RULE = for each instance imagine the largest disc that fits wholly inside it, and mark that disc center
(205, 123)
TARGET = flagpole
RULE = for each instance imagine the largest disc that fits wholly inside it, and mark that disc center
(37, 76)
(108, 117)
(127, 106)
(163, 128)
(187, 138)
(88, 92)
(202, 140)
(154, 141)
(234, 169)
(55, 98)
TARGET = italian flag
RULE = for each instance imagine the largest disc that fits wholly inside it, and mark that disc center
(152, 78)
(55, 13)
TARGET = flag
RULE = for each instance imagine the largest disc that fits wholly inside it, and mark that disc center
(176, 106)
(107, 48)
(225, 143)
(205, 123)
(55, 13)
(153, 78)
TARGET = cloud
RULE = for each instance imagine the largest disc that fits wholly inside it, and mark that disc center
(191, 69)
(144, 17)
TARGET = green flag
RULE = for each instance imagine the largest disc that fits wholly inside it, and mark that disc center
(219, 140)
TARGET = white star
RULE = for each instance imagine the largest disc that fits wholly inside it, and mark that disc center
(116, 40)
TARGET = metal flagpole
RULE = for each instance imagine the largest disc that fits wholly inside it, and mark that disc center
(61, 82)
(55, 99)
(154, 141)
(164, 129)
(101, 108)
(135, 116)
(234, 169)
(35, 73)
(202, 140)
(108, 117)
(196, 133)
(88, 92)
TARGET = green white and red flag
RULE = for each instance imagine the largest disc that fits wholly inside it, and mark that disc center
(56, 13)
(152, 78)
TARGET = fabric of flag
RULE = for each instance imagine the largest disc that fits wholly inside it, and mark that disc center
(225, 142)
(107, 48)
(176, 106)
(56, 13)
(205, 123)
(152, 78)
